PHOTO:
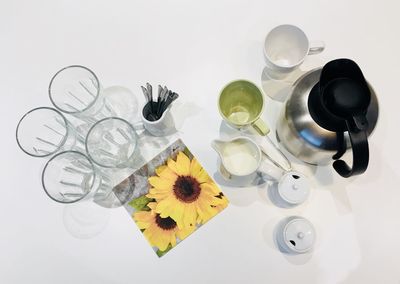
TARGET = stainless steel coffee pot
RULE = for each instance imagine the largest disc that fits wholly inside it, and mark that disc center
(330, 111)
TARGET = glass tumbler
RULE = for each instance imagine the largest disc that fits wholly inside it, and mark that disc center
(70, 176)
(44, 131)
(112, 143)
(76, 90)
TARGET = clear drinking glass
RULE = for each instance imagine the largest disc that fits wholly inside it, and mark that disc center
(111, 143)
(70, 176)
(44, 131)
(76, 90)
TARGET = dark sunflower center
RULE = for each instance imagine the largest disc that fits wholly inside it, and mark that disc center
(165, 223)
(187, 189)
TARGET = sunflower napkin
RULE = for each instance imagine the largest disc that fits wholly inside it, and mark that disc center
(172, 197)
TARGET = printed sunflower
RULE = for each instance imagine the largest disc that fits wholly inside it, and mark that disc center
(160, 232)
(185, 192)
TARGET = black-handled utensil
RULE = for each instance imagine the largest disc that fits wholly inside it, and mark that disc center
(146, 96)
(172, 96)
(163, 97)
(150, 92)
(156, 108)
(149, 100)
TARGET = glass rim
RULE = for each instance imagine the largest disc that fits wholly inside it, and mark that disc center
(101, 121)
(62, 141)
(89, 105)
(54, 157)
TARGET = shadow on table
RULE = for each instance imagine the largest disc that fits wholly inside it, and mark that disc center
(278, 89)
(243, 196)
(85, 220)
(278, 86)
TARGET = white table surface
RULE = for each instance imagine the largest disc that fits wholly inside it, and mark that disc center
(195, 48)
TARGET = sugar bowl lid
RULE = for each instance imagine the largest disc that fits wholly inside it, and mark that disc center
(296, 235)
(294, 187)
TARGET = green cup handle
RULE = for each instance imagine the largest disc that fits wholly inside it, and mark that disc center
(261, 127)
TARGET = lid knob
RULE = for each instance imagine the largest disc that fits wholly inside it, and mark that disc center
(293, 188)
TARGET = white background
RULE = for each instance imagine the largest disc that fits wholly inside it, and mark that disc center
(196, 47)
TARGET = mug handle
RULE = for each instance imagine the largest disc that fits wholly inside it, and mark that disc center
(261, 127)
(316, 47)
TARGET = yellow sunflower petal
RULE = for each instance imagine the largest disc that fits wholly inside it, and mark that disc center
(166, 173)
(158, 194)
(221, 207)
(209, 190)
(142, 225)
(199, 173)
(190, 215)
(153, 235)
(170, 208)
(214, 188)
(159, 190)
(163, 240)
(183, 164)
(160, 169)
(203, 177)
(206, 212)
(172, 166)
(211, 199)
(200, 213)
(149, 234)
(164, 207)
(143, 219)
(221, 201)
(145, 216)
(158, 237)
(161, 183)
(206, 197)
(173, 240)
(195, 168)
(182, 234)
(152, 205)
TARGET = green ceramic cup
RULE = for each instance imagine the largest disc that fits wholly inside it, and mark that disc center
(241, 104)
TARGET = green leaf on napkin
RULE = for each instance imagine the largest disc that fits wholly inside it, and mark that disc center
(187, 153)
(140, 203)
(161, 253)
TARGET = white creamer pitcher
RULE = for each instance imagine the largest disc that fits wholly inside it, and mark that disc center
(241, 158)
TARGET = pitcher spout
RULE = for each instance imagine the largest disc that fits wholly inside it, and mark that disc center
(218, 146)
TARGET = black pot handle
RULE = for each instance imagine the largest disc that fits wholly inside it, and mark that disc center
(359, 145)
(341, 146)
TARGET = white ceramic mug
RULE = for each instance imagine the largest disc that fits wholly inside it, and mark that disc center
(286, 47)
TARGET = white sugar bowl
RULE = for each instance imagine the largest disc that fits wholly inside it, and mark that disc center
(296, 235)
